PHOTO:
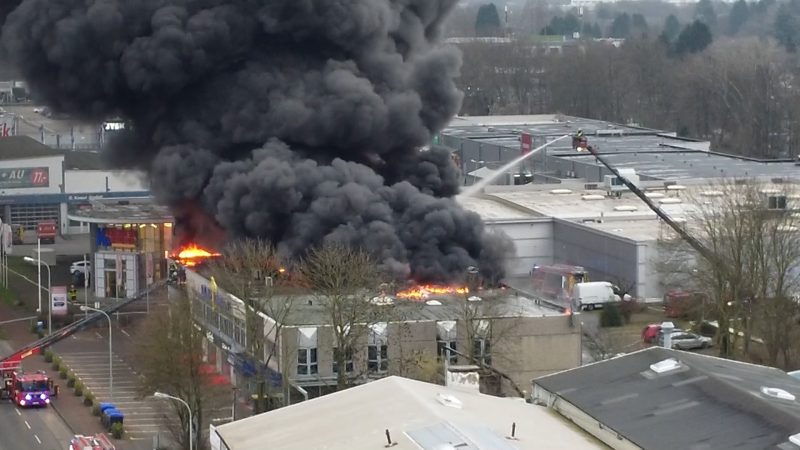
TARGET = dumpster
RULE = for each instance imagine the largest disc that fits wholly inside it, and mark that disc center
(104, 406)
(112, 416)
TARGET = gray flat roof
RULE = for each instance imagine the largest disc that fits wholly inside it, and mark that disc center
(537, 124)
(707, 403)
(123, 211)
(417, 415)
(312, 309)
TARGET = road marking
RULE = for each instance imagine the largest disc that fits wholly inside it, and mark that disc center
(27, 425)
(17, 410)
(37, 439)
(99, 336)
(125, 333)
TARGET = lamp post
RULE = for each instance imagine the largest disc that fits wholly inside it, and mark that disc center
(50, 308)
(163, 395)
(110, 353)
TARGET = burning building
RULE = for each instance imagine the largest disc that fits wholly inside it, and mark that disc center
(297, 122)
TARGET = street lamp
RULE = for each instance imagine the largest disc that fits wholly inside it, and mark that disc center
(110, 354)
(163, 395)
(39, 262)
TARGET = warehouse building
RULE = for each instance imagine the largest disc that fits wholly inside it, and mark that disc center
(39, 183)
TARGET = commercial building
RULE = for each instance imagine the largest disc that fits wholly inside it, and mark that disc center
(400, 413)
(130, 242)
(666, 399)
(574, 211)
(39, 183)
(512, 333)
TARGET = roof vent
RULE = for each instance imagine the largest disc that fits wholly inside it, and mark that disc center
(787, 228)
(670, 201)
(474, 298)
(654, 194)
(712, 193)
(665, 366)
(449, 400)
(561, 191)
(625, 208)
(433, 303)
(676, 187)
(770, 191)
(592, 197)
(777, 393)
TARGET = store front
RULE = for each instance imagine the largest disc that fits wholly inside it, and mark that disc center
(130, 243)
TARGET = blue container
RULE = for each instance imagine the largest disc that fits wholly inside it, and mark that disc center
(105, 406)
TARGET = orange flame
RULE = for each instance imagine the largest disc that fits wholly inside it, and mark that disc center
(192, 254)
(426, 290)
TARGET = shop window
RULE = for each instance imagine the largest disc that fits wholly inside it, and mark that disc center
(307, 361)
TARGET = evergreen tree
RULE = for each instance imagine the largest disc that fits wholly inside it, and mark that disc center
(671, 28)
(487, 23)
(694, 38)
(739, 15)
(786, 29)
(639, 25)
(621, 26)
(704, 12)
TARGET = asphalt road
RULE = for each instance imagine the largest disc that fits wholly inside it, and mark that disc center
(31, 429)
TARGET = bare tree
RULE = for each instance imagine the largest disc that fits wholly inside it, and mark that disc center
(252, 271)
(345, 280)
(170, 359)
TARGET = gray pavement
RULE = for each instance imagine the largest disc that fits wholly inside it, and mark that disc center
(28, 429)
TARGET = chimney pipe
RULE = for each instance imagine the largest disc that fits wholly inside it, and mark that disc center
(666, 329)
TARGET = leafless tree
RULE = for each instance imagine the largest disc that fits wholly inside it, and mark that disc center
(170, 359)
(347, 281)
(252, 271)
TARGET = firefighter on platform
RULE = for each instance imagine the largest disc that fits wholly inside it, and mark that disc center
(73, 293)
(577, 138)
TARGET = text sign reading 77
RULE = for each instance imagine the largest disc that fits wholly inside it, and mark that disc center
(24, 177)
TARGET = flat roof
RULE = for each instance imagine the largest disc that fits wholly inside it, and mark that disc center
(22, 147)
(490, 209)
(417, 415)
(309, 309)
(121, 211)
(706, 402)
(536, 124)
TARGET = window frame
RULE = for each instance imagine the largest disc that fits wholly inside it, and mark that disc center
(348, 361)
(379, 364)
(309, 362)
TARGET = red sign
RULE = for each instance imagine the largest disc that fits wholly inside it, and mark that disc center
(526, 143)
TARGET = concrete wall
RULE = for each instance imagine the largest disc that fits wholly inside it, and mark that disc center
(533, 241)
(606, 257)
(92, 181)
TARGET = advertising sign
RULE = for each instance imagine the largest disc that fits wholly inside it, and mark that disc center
(525, 143)
(58, 298)
(24, 177)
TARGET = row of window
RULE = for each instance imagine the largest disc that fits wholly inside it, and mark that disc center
(378, 357)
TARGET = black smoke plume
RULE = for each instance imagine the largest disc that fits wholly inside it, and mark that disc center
(299, 121)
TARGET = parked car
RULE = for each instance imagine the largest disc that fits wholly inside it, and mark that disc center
(650, 333)
(80, 267)
(689, 341)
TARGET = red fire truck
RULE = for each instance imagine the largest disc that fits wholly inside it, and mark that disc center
(556, 281)
(97, 442)
(26, 389)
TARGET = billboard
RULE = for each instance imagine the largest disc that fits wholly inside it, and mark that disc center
(525, 143)
(24, 177)
(58, 300)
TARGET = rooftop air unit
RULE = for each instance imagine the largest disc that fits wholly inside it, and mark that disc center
(614, 185)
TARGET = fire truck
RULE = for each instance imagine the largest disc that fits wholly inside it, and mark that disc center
(26, 389)
(555, 282)
(96, 442)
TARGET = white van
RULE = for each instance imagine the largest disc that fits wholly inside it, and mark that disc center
(593, 295)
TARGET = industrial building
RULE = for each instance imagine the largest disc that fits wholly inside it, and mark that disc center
(561, 206)
(400, 413)
(659, 398)
(514, 334)
(39, 183)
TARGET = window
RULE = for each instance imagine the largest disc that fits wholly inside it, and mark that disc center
(377, 358)
(777, 202)
(483, 351)
(441, 351)
(307, 361)
(348, 358)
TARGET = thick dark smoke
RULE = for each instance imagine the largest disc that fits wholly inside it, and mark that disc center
(295, 120)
